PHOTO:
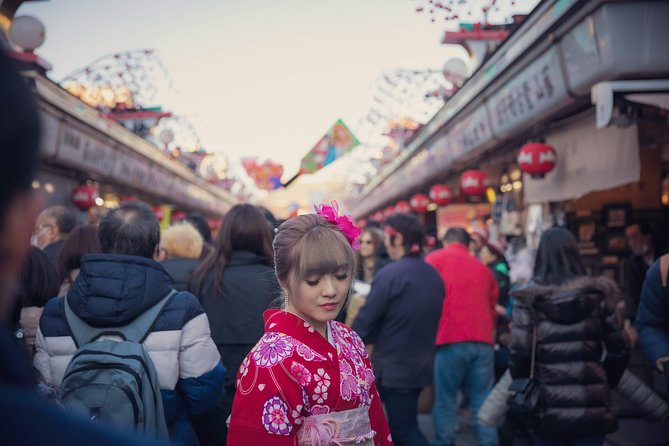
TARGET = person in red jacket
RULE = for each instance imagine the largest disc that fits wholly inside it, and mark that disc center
(465, 339)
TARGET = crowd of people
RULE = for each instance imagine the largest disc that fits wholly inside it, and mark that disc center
(237, 338)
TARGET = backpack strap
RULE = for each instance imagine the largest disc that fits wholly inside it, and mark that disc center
(136, 330)
(664, 269)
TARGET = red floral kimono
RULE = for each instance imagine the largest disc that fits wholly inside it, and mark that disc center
(294, 372)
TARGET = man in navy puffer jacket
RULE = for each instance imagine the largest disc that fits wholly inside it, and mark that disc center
(114, 288)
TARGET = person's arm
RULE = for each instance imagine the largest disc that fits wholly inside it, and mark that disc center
(377, 417)
(494, 295)
(616, 339)
(521, 340)
(370, 316)
(201, 373)
(652, 319)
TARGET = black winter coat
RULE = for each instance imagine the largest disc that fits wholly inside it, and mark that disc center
(249, 287)
(576, 324)
(181, 270)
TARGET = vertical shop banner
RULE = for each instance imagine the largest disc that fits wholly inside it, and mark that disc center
(588, 160)
(338, 141)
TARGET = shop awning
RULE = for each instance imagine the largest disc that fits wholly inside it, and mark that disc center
(651, 92)
(588, 160)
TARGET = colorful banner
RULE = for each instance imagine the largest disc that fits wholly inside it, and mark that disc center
(338, 141)
(266, 175)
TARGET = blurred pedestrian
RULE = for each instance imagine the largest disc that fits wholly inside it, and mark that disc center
(202, 225)
(400, 318)
(235, 284)
(52, 226)
(37, 283)
(369, 254)
(465, 339)
(641, 242)
(181, 245)
(492, 254)
(574, 325)
(82, 240)
(653, 318)
(478, 237)
(24, 419)
(113, 289)
(308, 381)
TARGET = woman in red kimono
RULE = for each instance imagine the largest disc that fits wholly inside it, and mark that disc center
(309, 381)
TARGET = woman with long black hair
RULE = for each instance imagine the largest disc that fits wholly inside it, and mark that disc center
(572, 325)
(235, 284)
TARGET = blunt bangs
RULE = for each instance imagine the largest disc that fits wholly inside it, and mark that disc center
(323, 251)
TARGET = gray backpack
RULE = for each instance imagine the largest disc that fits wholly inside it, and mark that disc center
(115, 382)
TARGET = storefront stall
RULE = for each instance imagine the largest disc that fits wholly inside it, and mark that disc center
(574, 77)
(79, 147)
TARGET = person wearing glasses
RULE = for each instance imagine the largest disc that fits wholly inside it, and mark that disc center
(52, 226)
(370, 256)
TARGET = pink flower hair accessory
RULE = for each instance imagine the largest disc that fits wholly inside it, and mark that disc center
(343, 222)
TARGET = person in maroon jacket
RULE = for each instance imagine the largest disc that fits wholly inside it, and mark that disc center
(465, 339)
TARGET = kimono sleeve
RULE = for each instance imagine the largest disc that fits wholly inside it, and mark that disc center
(377, 417)
(268, 406)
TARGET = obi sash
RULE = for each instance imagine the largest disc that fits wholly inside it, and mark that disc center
(348, 427)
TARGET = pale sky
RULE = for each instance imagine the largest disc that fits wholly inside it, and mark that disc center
(257, 77)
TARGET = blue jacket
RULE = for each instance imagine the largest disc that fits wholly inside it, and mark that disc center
(112, 290)
(652, 318)
(400, 317)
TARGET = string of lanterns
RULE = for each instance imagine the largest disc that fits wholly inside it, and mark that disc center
(535, 159)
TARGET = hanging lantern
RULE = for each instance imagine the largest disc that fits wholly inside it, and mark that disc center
(387, 212)
(474, 182)
(83, 197)
(536, 159)
(402, 207)
(377, 216)
(419, 203)
(441, 194)
(178, 216)
(159, 212)
(362, 223)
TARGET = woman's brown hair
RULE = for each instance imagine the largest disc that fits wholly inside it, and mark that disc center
(309, 244)
(81, 240)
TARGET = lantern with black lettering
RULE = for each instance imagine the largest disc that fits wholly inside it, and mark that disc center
(387, 212)
(441, 194)
(474, 183)
(419, 203)
(83, 197)
(536, 159)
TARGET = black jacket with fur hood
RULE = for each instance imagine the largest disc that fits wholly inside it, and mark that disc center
(582, 351)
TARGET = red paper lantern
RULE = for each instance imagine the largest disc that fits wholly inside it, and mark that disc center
(536, 159)
(387, 212)
(159, 212)
(402, 207)
(178, 216)
(377, 216)
(441, 194)
(419, 203)
(362, 223)
(83, 197)
(474, 182)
